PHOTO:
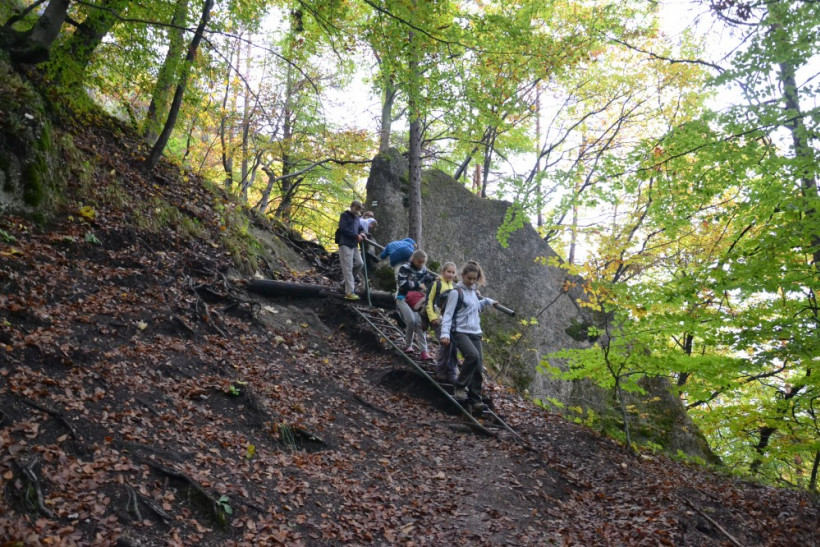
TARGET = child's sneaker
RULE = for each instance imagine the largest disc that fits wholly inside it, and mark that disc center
(409, 350)
(352, 296)
(476, 407)
(426, 356)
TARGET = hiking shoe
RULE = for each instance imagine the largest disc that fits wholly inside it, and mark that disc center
(426, 356)
(476, 407)
(352, 296)
(409, 350)
(460, 394)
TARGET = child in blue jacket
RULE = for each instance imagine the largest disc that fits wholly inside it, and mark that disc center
(399, 251)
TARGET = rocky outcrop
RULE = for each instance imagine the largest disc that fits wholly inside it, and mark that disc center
(460, 226)
(29, 154)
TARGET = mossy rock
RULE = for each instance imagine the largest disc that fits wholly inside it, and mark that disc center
(385, 279)
(29, 173)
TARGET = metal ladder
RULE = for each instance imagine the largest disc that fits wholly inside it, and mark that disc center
(390, 332)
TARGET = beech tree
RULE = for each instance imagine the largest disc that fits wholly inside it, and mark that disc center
(162, 140)
(33, 45)
(711, 264)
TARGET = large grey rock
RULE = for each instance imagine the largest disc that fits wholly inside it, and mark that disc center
(459, 226)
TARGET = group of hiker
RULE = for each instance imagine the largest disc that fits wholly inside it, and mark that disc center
(426, 300)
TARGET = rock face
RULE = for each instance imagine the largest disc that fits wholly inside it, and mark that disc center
(459, 226)
(29, 156)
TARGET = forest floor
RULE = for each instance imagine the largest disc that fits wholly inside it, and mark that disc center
(147, 399)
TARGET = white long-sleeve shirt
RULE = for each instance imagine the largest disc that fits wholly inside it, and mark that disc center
(467, 320)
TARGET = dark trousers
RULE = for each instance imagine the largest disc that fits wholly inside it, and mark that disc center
(471, 376)
(447, 358)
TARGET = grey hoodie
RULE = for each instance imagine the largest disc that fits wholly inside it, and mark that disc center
(467, 319)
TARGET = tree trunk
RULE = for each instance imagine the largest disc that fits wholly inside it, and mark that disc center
(225, 133)
(573, 234)
(488, 156)
(624, 413)
(538, 190)
(813, 479)
(74, 55)
(800, 135)
(464, 165)
(247, 112)
(766, 431)
(162, 141)
(414, 159)
(168, 74)
(264, 201)
(388, 98)
(283, 210)
(34, 45)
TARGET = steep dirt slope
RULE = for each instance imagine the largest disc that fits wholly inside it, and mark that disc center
(146, 399)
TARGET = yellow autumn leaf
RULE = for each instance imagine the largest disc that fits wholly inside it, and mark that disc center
(250, 452)
(87, 212)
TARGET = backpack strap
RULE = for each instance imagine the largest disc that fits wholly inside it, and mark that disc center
(459, 303)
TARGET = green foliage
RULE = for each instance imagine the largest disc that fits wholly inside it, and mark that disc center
(7, 237)
(91, 238)
(582, 331)
(285, 436)
(514, 219)
(224, 505)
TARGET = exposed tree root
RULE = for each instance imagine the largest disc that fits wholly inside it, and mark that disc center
(54, 413)
(135, 447)
(148, 406)
(218, 514)
(34, 482)
(134, 500)
(203, 311)
(371, 406)
(714, 523)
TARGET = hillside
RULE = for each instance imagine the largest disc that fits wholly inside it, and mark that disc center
(147, 399)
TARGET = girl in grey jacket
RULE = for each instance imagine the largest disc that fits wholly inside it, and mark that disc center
(461, 325)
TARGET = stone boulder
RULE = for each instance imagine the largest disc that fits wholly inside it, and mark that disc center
(459, 226)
